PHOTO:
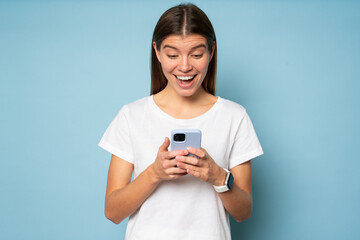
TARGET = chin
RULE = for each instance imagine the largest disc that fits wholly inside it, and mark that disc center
(186, 93)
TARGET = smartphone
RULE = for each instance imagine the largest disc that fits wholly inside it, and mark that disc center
(183, 138)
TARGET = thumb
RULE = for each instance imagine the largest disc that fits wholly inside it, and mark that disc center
(165, 145)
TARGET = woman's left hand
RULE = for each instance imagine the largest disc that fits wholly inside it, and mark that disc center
(203, 167)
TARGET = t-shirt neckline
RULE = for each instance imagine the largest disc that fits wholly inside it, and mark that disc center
(171, 118)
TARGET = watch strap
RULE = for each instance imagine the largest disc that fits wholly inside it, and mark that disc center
(225, 187)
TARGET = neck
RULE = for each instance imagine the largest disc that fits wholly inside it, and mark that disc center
(168, 95)
(184, 107)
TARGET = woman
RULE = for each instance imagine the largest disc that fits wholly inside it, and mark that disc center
(174, 195)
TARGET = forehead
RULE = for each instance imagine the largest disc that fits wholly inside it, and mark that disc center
(187, 41)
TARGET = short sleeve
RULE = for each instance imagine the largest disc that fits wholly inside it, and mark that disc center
(246, 145)
(116, 138)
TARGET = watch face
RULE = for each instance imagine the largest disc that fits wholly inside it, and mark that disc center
(230, 181)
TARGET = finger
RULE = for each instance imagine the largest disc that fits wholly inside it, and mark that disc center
(201, 153)
(172, 154)
(175, 170)
(189, 160)
(192, 170)
(165, 145)
(176, 176)
(188, 167)
(169, 163)
(194, 173)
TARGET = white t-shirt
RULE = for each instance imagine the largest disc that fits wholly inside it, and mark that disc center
(186, 208)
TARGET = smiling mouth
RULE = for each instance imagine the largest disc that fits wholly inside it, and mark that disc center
(185, 81)
(185, 78)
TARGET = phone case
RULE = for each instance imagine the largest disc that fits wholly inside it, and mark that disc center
(192, 139)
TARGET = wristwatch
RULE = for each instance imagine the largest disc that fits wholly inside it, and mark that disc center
(228, 183)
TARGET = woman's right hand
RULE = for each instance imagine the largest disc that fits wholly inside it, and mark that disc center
(165, 165)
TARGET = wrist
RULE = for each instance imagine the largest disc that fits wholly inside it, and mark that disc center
(229, 179)
(221, 177)
(151, 174)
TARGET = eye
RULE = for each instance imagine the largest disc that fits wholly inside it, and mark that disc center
(197, 55)
(171, 56)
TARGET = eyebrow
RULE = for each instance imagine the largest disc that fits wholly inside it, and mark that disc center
(197, 46)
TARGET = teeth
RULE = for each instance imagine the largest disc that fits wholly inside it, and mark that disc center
(185, 78)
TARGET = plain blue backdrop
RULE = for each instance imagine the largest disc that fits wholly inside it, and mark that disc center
(67, 67)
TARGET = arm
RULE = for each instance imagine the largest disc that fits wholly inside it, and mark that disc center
(124, 197)
(237, 201)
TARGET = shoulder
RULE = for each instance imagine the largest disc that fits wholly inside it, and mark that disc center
(135, 106)
(131, 111)
(231, 108)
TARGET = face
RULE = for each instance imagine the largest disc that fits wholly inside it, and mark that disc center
(184, 61)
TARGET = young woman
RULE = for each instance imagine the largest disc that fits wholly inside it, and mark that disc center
(174, 195)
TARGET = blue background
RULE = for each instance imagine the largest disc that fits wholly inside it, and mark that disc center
(66, 68)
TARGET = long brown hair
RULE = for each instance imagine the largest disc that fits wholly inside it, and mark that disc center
(182, 20)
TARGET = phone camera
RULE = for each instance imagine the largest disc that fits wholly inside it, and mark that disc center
(179, 137)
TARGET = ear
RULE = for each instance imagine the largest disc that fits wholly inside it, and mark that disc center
(156, 51)
(212, 51)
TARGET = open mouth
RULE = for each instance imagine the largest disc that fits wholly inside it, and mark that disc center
(185, 79)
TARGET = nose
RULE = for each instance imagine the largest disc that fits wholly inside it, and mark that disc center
(185, 65)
